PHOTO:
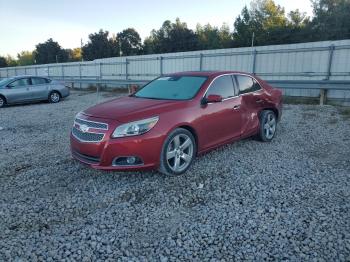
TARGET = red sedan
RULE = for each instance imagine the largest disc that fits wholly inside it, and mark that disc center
(174, 118)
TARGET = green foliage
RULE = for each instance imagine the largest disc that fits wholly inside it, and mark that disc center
(210, 37)
(3, 62)
(11, 61)
(75, 54)
(100, 46)
(331, 19)
(264, 18)
(171, 37)
(25, 58)
(129, 42)
(50, 52)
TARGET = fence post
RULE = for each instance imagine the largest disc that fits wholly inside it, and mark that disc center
(126, 69)
(254, 61)
(330, 59)
(161, 65)
(200, 62)
(48, 71)
(25, 70)
(7, 72)
(15, 71)
(62, 71)
(36, 71)
(80, 84)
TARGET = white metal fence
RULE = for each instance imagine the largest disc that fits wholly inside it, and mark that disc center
(304, 62)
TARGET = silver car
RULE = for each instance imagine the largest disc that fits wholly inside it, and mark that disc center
(23, 89)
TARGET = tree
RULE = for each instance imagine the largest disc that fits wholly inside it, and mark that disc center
(171, 37)
(100, 46)
(269, 24)
(331, 19)
(50, 52)
(129, 42)
(25, 58)
(75, 54)
(11, 61)
(210, 37)
(3, 62)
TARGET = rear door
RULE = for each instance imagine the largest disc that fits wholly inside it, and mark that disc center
(39, 88)
(252, 102)
(220, 121)
(18, 90)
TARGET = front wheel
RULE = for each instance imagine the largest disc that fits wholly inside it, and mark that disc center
(178, 152)
(268, 124)
(2, 102)
(54, 97)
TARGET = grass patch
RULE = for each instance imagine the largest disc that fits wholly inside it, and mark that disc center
(297, 100)
(345, 112)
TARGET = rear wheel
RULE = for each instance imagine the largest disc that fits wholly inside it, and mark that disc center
(54, 97)
(2, 101)
(178, 152)
(268, 124)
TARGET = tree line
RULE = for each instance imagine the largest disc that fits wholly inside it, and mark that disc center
(263, 23)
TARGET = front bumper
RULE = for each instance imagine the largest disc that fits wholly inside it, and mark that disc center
(102, 155)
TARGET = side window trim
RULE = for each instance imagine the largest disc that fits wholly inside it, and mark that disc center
(216, 78)
(254, 82)
(41, 78)
(29, 79)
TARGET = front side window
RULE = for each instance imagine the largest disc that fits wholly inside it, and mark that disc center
(247, 84)
(20, 83)
(38, 81)
(222, 86)
(172, 88)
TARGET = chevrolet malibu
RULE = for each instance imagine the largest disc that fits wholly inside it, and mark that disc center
(174, 118)
(24, 89)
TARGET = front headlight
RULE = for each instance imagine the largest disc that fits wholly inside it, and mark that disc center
(135, 128)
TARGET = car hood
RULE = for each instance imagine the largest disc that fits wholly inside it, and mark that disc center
(128, 108)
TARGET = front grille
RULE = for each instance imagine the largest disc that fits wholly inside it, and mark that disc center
(86, 158)
(92, 124)
(86, 136)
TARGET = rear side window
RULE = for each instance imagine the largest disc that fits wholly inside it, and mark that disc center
(20, 83)
(222, 86)
(247, 84)
(38, 81)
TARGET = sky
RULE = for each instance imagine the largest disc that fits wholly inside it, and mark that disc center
(27, 23)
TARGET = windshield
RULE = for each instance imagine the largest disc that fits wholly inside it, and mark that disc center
(4, 81)
(172, 87)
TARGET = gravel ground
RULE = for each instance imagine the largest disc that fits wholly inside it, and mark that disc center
(284, 200)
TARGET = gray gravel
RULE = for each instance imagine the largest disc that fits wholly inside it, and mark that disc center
(284, 200)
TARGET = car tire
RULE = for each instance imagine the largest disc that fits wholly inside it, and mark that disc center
(178, 151)
(54, 97)
(2, 101)
(267, 125)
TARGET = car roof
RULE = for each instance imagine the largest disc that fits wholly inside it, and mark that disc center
(206, 73)
(22, 76)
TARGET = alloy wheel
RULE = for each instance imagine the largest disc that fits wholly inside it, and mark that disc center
(55, 97)
(270, 126)
(179, 153)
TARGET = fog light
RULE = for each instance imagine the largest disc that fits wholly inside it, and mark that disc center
(131, 160)
(127, 161)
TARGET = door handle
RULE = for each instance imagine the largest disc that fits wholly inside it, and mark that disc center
(236, 107)
(259, 101)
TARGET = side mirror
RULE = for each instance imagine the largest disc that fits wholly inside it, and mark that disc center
(213, 99)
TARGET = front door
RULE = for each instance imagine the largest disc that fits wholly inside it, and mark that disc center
(220, 121)
(18, 90)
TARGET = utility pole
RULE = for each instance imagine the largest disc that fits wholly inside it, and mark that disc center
(81, 49)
